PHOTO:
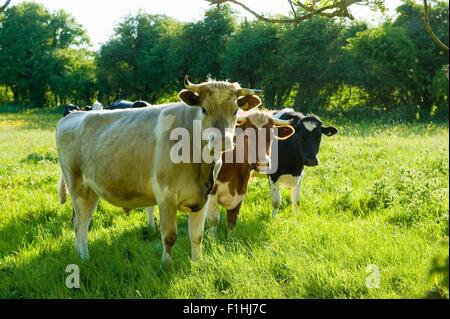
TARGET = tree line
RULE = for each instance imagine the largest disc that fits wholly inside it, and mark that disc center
(318, 65)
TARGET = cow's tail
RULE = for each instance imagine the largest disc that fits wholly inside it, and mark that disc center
(62, 190)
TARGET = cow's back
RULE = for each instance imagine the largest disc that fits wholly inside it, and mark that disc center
(114, 151)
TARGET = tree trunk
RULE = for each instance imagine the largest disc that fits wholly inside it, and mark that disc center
(427, 105)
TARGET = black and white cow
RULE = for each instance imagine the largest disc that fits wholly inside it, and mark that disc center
(295, 153)
(69, 108)
(120, 104)
(140, 103)
(97, 106)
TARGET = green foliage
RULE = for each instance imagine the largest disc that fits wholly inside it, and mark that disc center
(253, 58)
(439, 273)
(250, 51)
(137, 62)
(6, 94)
(30, 37)
(387, 83)
(439, 92)
(73, 76)
(204, 44)
(310, 57)
(430, 58)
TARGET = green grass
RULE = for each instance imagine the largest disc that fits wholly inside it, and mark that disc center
(379, 196)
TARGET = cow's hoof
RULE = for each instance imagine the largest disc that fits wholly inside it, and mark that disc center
(275, 213)
(152, 228)
(196, 255)
(166, 262)
(84, 257)
(83, 251)
(213, 231)
(165, 267)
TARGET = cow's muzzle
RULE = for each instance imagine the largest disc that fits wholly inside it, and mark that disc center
(311, 162)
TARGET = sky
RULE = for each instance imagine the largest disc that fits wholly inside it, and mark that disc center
(100, 16)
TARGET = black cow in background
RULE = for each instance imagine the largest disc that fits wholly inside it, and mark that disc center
(69, 108)
(295, 153)
(124, 104)
(121, 104)
(140, 103)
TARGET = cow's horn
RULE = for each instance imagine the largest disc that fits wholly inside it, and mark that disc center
(190, 86)
(244, 92)
(281, 122)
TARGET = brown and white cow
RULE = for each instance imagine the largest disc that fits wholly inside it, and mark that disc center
(137, 144)
(232, 182)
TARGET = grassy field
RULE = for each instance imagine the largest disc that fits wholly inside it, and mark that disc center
(379, 197)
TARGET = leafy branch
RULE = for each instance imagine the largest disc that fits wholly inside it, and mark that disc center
(3, 7)
(303, 10)
(426, 20)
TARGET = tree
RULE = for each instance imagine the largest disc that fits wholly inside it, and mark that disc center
(3, 7)
(157, 47)
(386, 62)
(304, 10)
(203, 44)
(26, 64)
(137, 62)
(430, 58)
(149, 55)
(251, 52)
(426, 9)
(252, 58)
(72, 78)
(309, 58)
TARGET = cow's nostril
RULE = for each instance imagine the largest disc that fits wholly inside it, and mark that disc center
(313, 162)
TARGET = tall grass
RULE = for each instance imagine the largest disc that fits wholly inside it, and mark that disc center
(379, 197)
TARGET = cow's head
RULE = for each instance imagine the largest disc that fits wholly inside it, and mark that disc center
(97, 106)
(218, 103)
(308, 134)
(257, 125)
(69, 108)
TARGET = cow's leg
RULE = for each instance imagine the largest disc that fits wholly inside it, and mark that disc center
(276, 197)
(232, 215)
(196, 228)
(213, 214)
(295, 191)
(151, 218)
(84, 202)
(168, 228)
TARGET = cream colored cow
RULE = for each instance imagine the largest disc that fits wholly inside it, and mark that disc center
(123, 156)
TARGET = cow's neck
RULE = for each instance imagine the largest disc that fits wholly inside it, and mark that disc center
(203, 172)
(205, 175)
(236, 175)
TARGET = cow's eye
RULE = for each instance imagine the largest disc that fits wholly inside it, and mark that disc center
(204, 111)
(235, 113)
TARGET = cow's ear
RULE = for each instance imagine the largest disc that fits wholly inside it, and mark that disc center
(284, 132)
(329, 130)
(248, 102)
(189, 97)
